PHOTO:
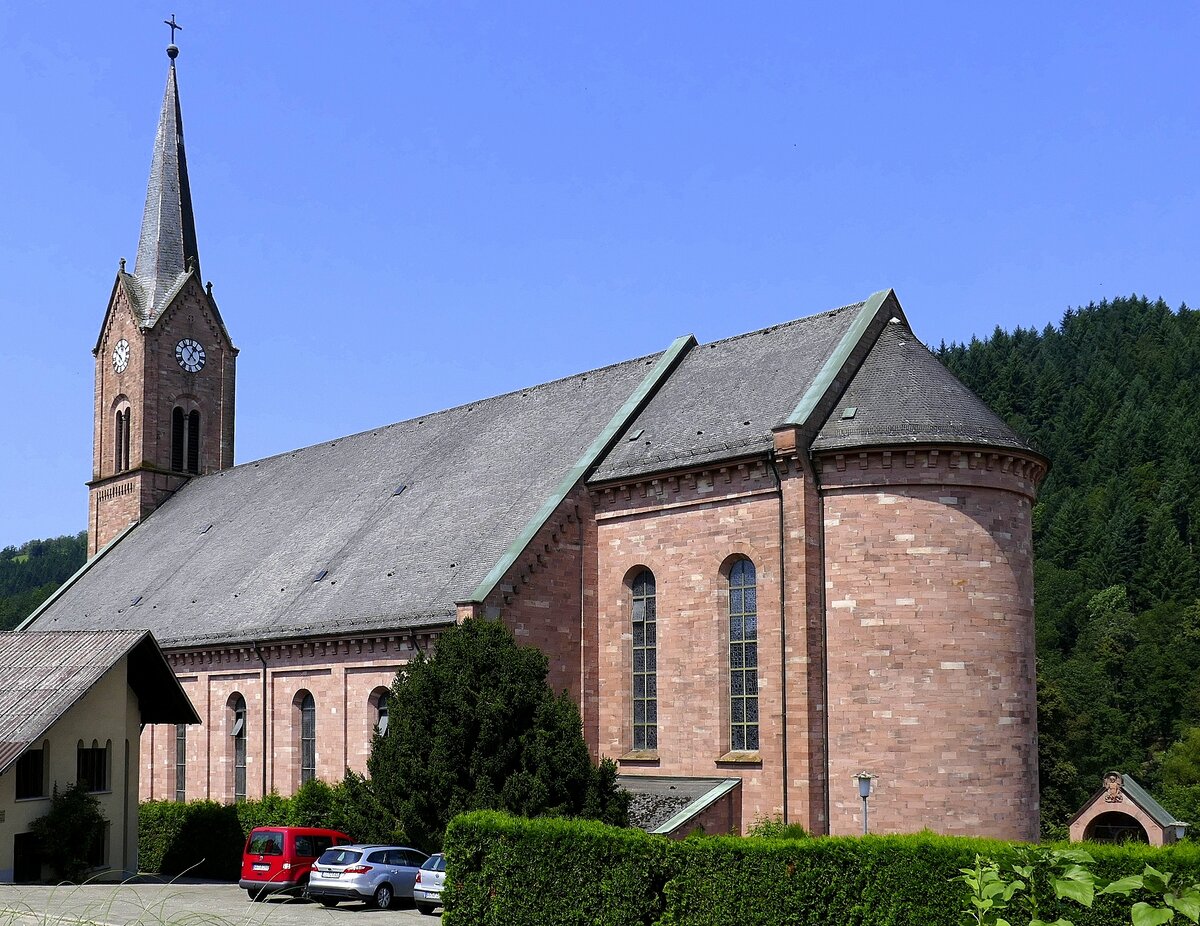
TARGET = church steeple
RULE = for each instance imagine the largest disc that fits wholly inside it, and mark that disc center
(167, 247)
(165, 365)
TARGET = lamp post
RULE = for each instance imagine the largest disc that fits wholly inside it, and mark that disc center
(864, 780)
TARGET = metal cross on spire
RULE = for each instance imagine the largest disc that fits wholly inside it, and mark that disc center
(174, 25)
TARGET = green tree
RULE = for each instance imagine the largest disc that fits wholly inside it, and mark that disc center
(70, 831)
(476, 727)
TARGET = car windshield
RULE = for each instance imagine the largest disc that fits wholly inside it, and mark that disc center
(435, 863)
(266, 842)
(339, 857)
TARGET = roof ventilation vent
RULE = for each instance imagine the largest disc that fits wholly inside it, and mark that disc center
(136, 600)
(399, 489)
(893, 320)
(320, 575)
(205, 530)
(849, 411)
(636, 434)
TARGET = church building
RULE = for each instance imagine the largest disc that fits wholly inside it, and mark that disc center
(782, 558)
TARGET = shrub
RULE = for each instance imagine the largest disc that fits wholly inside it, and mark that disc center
(70, 831)
(202, 839)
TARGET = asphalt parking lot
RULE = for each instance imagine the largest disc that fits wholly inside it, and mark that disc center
(162, 904)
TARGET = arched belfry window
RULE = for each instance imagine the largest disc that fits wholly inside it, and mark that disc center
(237, 730)
(306, 705)
(645, 662)
(743, 656)
(121, 440)
(185, 441)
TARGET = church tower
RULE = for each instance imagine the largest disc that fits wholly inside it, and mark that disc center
(164, 395)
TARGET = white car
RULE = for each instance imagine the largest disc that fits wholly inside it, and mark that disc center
(374, 874)
(431, 878)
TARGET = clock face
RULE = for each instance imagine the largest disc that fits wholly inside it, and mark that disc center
(190, 354)
(120, 358)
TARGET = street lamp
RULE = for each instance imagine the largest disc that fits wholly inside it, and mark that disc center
(864, 780)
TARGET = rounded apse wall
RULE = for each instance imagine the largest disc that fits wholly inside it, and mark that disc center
(930, 640)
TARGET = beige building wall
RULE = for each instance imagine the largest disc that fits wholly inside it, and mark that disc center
(106, 716)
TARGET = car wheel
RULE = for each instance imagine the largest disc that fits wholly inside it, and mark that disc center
(384, 896)
(426, 908)
(327, 901)
(254, 894)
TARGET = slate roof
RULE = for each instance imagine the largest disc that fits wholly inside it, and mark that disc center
(725, 397)
(235, 555)
(903, 395)
(168, 237)
(42, 675)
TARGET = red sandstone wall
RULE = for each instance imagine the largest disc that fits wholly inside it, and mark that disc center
(685, 529)
(342, 676)
(930, 638)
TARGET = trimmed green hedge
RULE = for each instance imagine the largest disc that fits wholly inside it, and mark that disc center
(511, 872)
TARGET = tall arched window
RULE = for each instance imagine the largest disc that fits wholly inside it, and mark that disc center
(193, 442)
(185, 441)
(645, 662)
(743, 656)
(237, 730)
(177, 439)
(121, 441)
(307, 708)
(379, 703)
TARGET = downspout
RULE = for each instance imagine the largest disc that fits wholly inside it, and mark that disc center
(782, 629)
(258, 653)
(582, 624)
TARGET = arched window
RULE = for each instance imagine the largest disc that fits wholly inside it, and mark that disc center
(379, 704)
(743, 657)
(121, 441)
(181, 761)
(193, 442)
(185, 441)
(645, 662)
(237, 730)
(307, 708)
(177, 439)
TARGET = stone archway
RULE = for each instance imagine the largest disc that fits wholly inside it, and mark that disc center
(1115, 826)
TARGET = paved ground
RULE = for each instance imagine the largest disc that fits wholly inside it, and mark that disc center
(181, 905)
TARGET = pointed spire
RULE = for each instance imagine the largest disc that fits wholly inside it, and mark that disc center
(167, 247)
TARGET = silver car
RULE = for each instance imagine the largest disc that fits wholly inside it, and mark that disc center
(374, 874)
(427, 892)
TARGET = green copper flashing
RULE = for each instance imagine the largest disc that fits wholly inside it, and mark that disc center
(698, 806)
(61, 590)
(837, 359)
(666, 363)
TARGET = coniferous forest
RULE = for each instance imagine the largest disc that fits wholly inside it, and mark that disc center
(29, 574)
(1111, 395)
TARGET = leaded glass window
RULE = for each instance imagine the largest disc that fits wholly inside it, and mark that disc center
(308, 738)
(238, 732)
(180, 761)
(645, 662)
(743, 656)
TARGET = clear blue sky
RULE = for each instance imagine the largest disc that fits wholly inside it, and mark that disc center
(406, 206)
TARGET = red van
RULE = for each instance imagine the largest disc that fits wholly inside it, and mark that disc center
(278, 858)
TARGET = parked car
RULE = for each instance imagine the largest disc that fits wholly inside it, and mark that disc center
(431, 878)
(278, 858)
(375, 874)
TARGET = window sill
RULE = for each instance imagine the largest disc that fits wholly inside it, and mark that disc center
(640, 757)
(32, 797)
(741, 757)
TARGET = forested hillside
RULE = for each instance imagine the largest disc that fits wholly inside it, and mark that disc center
(1112, 397)
(30, 574)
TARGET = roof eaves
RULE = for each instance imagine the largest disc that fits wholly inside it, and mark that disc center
(79, 573)
(838, 357)
(83, 694)
(667, 362)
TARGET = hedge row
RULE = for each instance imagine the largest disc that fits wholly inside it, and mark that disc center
(511, 872)
(204, 839)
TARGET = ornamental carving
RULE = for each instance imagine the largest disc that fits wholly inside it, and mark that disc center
(1112, 788)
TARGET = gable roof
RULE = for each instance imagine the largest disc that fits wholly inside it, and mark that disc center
(726, 397)
(901, 394)
(43, 675)
(318, 542)
(1141, 797)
